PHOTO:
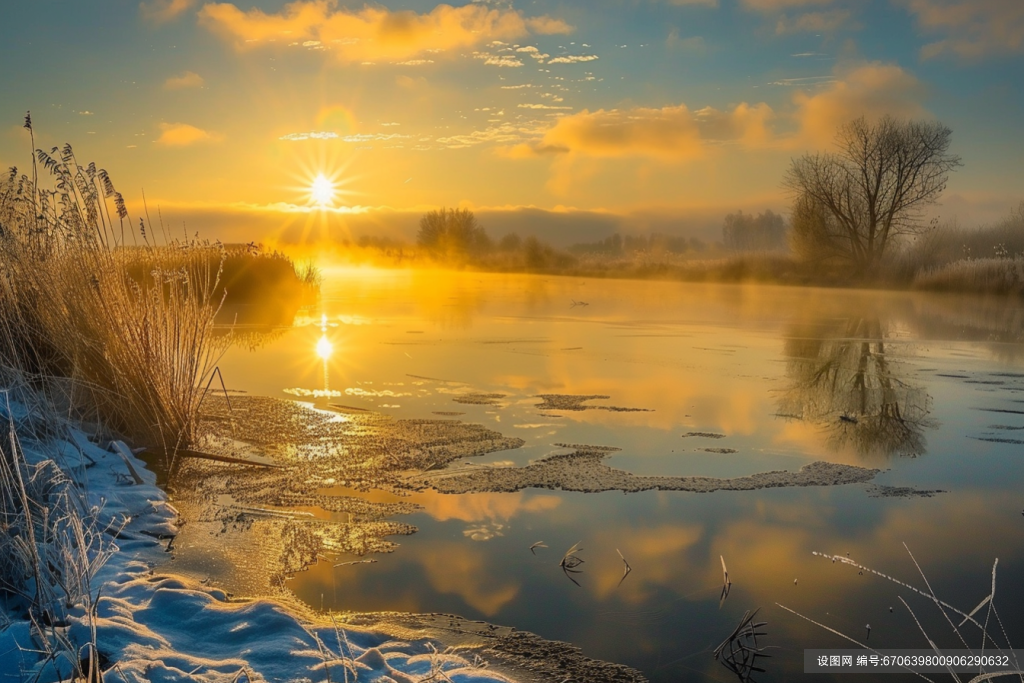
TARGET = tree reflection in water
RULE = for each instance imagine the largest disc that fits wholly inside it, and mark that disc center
(845, 378)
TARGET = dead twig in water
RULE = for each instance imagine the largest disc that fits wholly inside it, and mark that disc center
(726, 583)
(346, 564)
(626, 570)
(538, 544)
(570, 561)
(578, 303)
(739, 652)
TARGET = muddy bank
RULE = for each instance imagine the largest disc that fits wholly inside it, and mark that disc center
(583, 470)
(521, 655)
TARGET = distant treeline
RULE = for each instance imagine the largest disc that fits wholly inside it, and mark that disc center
(754, 247)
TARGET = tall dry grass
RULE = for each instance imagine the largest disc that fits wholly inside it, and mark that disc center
(135, 350)
(981, 276)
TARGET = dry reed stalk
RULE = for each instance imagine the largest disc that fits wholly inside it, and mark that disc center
(133, 327)
(945, 608)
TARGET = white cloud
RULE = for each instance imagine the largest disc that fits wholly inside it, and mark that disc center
(572, 59)
(540, 106)
(498, 60)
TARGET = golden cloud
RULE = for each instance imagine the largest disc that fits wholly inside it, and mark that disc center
(815, 22)
(777, 5)
(870, 90)
(668, 133)
(189, 79)
(159, 11)
(183, 134)
(975, 28)
(481, 507)
(372, 33)
(673, 133)
(460, 570)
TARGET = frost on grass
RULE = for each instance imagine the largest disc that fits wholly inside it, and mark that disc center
(578, 402)
(250, 527)
(583, 470)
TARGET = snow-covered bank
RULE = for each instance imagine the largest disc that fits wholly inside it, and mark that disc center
(148, 624)
(152, 626)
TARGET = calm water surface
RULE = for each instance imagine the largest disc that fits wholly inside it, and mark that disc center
(928, 389)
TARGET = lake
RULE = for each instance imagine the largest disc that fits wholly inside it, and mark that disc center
(720, 381)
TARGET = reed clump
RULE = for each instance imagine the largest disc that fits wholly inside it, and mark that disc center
(982, 275)
(123, 334)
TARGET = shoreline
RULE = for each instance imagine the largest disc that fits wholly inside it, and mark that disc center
(149, 623)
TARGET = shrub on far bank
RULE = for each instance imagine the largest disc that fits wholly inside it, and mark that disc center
(976, 276)
(248, 274)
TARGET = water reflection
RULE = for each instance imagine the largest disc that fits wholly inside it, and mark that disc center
(847, 379)
(869, 374)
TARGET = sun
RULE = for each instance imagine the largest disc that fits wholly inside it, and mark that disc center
(324, 347)
(322, 190)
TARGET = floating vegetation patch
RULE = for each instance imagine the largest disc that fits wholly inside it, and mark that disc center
(993, 439)
(479, 399)
(576, 402)
(448, 413)
(270, 522)
(434, 379)
(583, 470)
(1006, 427)
(1001, 410)
(942, 374)
(720, 450)
(705, 435)
(588, 447)
(882, 491)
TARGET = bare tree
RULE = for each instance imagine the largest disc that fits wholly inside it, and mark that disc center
(854, 203)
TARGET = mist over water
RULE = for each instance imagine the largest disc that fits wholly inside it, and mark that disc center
(732, 381)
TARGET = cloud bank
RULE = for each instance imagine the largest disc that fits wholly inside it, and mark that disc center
(372, 33)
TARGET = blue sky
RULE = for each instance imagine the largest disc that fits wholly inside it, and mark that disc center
(617, 106)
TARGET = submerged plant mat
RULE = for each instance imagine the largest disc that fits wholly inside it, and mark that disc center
(479, 399)
(249, 527)
(579, 402)
(583, 470)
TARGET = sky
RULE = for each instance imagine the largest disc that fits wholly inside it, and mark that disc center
(599, 115)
